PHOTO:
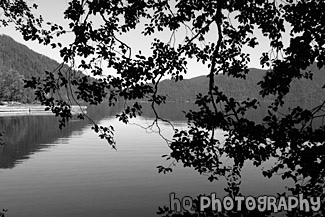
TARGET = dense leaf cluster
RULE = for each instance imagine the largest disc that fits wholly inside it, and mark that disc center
(291, 138)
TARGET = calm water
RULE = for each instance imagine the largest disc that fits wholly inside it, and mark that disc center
(45, 171)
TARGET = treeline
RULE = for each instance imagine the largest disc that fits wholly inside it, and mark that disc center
(18, 62)
(11, 85)
(301, 90)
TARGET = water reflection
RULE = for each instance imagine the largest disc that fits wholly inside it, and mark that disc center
(25, 135)
(86, 178)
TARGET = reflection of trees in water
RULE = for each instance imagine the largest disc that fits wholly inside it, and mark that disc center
(24, 135)
(174, 111)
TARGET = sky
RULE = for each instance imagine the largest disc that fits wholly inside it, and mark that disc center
(53, 11)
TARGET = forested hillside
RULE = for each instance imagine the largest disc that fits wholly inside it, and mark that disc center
(18, 62)
(187, 89)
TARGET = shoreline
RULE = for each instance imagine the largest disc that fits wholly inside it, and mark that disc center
(23, 109)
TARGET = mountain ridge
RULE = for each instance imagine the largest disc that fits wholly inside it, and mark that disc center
(28, 63)
(241, 89)
(25, 63)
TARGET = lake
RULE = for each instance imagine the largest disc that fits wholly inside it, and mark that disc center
(49, 172)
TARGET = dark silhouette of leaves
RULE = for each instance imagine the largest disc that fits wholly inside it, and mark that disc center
(292, 137)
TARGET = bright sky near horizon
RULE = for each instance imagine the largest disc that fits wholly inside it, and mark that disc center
(53, 11)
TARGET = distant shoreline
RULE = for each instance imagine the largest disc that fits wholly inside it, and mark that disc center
(30, 109)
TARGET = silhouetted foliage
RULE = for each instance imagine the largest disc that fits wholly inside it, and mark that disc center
(291, 138)
(2, 213)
